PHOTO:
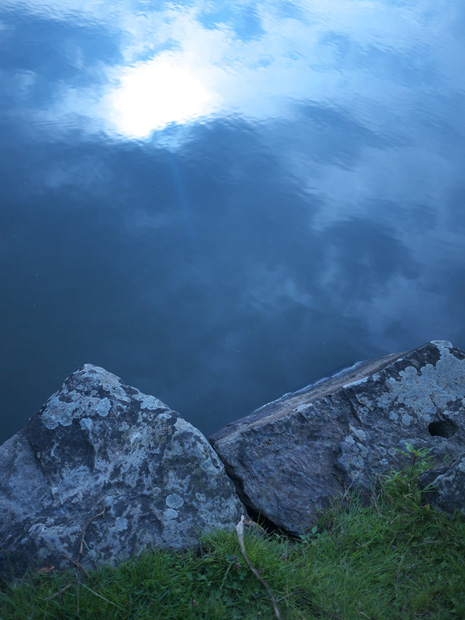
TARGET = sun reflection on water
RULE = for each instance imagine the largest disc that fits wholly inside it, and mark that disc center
(158, 92)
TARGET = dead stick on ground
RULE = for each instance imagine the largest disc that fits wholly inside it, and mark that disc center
(253, 524)
(76, 563)
(240, 535)
(78, 593)
(85, 528)
(81, 545)
(60, 591)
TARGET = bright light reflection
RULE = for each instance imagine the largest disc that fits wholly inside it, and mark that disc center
(156, 93)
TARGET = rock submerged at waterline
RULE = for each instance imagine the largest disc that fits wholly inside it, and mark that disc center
(291, 457)
(103, 472)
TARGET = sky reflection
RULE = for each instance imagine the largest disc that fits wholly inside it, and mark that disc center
(223, 202)
(181, 63)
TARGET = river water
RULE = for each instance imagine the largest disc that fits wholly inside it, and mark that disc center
(222, 202)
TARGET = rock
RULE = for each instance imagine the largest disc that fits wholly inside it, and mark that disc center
(290, 457)
(103, 472)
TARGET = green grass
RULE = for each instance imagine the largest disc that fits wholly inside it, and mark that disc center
(397, 558)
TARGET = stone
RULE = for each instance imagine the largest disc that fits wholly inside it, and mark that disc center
(103, 472)
(289, 458)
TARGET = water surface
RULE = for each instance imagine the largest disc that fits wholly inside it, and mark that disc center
(224, 202)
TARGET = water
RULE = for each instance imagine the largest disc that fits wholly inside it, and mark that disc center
(220, 202)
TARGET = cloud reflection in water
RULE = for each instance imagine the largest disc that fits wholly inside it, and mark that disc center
(185, 62)
(221, 202)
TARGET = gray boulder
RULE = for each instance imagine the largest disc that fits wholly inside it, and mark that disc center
(290, 457)
(103, 472)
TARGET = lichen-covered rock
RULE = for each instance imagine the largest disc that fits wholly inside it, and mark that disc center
(99, 447)
(290, 457)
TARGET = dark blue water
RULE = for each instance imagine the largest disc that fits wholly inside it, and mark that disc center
(222, 202)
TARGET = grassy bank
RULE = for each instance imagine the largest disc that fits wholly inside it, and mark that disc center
(397, 558)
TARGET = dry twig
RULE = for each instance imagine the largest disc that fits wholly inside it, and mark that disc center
(76, 563)
(58, 592)
(85, 528)
(240, 535)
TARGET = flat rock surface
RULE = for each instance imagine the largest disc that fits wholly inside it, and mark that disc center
(290, 457)
(103, 472)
